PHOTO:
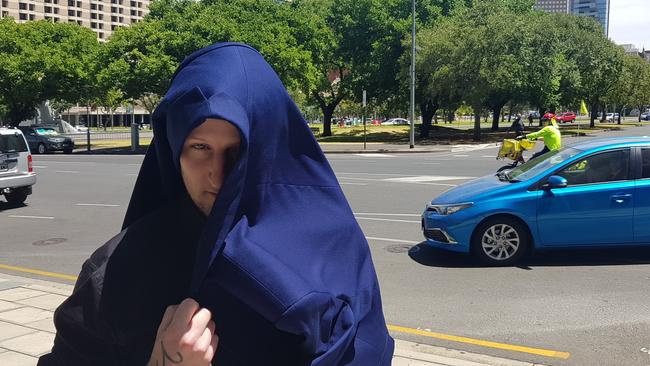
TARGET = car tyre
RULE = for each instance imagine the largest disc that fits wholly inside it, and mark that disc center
(16, 197)
(41, 149)
(67, 151)
(500, 241)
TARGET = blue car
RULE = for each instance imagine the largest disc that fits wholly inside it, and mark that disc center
(591, 194)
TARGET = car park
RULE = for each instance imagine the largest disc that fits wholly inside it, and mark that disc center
(45, 139)
(16, 172)
(591, 194)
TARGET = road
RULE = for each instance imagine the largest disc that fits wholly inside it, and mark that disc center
(592, 305)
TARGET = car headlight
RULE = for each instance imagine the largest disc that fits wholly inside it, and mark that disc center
(448, 209)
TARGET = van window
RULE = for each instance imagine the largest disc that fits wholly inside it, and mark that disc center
(12, 143)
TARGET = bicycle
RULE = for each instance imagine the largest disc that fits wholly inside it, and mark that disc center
(514, 150)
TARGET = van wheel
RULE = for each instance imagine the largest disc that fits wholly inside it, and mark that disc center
(16, 197)
(500, 241)
(41, 148)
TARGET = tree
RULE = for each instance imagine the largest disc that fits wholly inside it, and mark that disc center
(40, 61)
(598, 60)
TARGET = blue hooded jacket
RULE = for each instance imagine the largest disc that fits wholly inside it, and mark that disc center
(281, 244)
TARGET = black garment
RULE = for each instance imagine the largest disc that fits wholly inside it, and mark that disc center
(124, 288)
(541, 152)
(530, 119)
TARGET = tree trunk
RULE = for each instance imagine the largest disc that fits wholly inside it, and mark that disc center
(620, 114)
(451, 116)
(428, 110)
(496, 114)
(328, 111)
(477, 124)
(594, 114)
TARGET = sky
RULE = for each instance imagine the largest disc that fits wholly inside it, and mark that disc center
(629, 22)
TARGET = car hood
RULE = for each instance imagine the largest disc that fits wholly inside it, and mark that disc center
(470, 191)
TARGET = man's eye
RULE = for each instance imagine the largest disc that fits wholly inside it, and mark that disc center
(199, 146)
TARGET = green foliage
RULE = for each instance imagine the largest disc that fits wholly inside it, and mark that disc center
(43, 60)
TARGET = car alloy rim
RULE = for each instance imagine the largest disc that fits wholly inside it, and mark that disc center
(500, 242)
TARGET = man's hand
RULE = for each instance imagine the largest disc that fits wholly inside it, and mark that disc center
(185, 336)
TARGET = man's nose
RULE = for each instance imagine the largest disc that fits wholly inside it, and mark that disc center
(215, 173)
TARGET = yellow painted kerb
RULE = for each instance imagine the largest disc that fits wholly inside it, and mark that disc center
(38, 272)
(479, 342)
(395, 328)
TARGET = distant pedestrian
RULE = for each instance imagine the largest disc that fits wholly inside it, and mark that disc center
(517, 126)
(530, 119)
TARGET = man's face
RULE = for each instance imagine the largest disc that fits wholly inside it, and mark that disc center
(209, 152)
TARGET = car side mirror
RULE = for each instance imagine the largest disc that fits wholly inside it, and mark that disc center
(555, 181)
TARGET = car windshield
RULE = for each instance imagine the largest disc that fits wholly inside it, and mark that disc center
(535, 166)
(46, 131)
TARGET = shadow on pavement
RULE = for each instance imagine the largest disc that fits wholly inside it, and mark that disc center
(8, 206)
(433, 257)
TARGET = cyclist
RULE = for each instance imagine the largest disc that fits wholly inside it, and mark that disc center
(550, 133)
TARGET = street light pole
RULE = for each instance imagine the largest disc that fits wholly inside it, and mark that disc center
(412, 109)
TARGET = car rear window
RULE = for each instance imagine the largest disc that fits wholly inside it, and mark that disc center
(12, 143)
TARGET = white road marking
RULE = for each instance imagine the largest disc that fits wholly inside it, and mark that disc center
(32, 217)
(460, 156)
(473, 147)
(426, 179)
(392, 240)
(353, 184)
(385, 214)
(373, 155)
(489, 156)
(97, 204)
(39, 166)
(390, 220)
(66, 171)
(399, 175)
(132, 174)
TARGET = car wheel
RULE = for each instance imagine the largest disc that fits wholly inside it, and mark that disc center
(16, 197)
(41, 148)
(500, 241)
(67, 151)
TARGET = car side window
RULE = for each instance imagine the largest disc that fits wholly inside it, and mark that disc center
(605, 167)
(645, 163)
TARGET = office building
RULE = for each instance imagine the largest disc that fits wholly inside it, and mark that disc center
(597, 9)
(553, 6)
(102, 16)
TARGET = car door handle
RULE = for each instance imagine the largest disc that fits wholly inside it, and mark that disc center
(620, 198)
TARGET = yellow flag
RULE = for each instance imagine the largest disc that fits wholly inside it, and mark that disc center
(583, 108)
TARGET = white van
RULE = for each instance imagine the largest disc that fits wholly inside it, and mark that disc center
(16, 172)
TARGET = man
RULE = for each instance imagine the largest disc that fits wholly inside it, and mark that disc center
(517, 126)
(550, 133)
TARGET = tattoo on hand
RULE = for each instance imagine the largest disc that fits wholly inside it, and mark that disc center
(167, 357)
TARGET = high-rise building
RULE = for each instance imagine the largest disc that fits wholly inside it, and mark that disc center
(102, 16)
(553, 6)
(597, 9)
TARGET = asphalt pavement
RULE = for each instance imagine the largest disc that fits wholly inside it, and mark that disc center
(564, 308)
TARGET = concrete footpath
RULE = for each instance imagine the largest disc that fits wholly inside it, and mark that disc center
(26, 329)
